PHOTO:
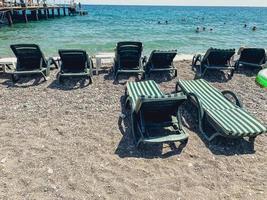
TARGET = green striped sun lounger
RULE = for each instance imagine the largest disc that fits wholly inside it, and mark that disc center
(155, 117)
(217, 112)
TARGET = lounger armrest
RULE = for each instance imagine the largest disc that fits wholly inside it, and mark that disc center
(90, 64)
(196, 58)
(144, 60)
(51, 61)
(198, 102)
(232, 94)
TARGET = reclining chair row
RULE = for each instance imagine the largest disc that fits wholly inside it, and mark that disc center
(31, 60)
(128, 59)
(223, 59)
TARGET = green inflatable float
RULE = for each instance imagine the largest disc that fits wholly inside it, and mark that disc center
(262, 78)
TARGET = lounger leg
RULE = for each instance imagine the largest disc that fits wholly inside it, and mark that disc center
(44, 76)
(232, 73)
(139, 144)
(133, 124)
(184, 142)
(60, 79)
(175, 72)
(14, 78)
(204, 72)
(252, 139)
(193, 62)
(47, 72)
(116, 76)
(90, 79)
(143, 76)
(127, 103)
(196, 58)
(177, 88)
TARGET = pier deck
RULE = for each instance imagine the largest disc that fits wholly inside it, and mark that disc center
(33, 12)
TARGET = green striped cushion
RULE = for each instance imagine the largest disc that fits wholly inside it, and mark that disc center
(210, 97)
(144, 88)
(232, 119)
(236, 122)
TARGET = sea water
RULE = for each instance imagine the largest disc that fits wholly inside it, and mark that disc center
(104, 26)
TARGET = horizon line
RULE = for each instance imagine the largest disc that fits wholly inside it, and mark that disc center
(165, 5)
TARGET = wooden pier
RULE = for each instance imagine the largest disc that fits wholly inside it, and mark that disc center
(33, 12)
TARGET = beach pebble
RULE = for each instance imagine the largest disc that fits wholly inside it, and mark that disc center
(54, 187)
(190, 165)
(4, 160)
(50, 171)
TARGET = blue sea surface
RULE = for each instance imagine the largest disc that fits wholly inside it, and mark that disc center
(104, 26)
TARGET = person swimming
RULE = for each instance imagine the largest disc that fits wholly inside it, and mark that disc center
(159, 22)
(197, 30)
(166, 22)
(245, 25)
(254, 28)
(211, 29)
(204, 28)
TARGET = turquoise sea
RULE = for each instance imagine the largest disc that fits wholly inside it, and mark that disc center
(106, 25)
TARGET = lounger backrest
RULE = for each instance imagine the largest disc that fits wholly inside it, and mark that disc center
(29, 56)
(253, 55)
(161, 59)
(73, 61)
(147, 88)
(126, 43)
(128, 54)
(159, 108)
(218, 57)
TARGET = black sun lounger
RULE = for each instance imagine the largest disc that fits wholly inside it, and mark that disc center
(214, 59)
(30, 60)
(160, 61)
(75, 63)
(128, 58)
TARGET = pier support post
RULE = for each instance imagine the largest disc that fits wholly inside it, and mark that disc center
(58, 12)
(34, 14)
(9, 18)
(39, 13)
(53, 12)
(46, 13)
(64, 11)
(25, 16)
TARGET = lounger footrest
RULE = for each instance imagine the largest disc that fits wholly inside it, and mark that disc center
(74, 74)
(131, 71)
(168, 138)
(27, 72)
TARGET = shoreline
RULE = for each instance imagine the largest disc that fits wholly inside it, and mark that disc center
(178, 57)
